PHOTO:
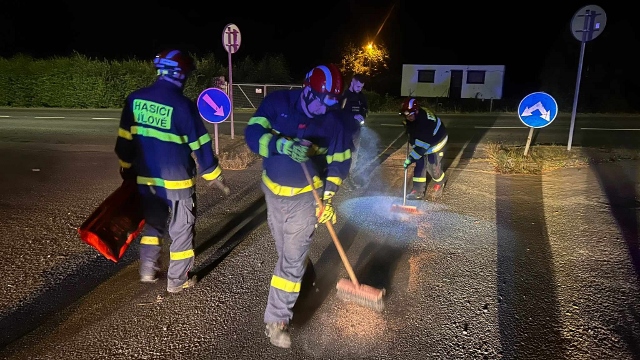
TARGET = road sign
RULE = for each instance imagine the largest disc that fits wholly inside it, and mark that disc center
(214, 105)
(588, 22)
(537, 110)
(231, 38)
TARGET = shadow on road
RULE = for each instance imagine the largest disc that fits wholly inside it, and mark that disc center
(234, 232)
(618, 180)
(31, 313)
(528, 310)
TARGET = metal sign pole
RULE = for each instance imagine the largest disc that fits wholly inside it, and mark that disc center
(526, 148)
(215, 134)
(586, 24)
(231, 90)
(575, 96)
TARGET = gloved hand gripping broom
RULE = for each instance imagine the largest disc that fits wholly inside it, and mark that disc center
(364, 295)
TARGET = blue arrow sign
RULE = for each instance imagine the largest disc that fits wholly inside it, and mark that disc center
(537, 109)
(214, 105)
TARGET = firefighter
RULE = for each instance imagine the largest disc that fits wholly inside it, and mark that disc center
(427, 140)
(355, 109)
(160, 134)
(289, 128)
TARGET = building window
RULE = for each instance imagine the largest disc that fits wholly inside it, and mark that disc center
(426, 76)
(475, 76)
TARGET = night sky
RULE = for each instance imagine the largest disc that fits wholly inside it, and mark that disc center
(518, 35)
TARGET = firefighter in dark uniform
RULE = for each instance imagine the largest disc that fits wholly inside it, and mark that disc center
(355, 109)
(289, 128)
(427, 140)
(160, 130)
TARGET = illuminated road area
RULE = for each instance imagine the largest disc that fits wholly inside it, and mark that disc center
(501, 267)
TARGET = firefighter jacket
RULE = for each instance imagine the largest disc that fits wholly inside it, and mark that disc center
(427, 134)
(280, 115)
(160, 129)
(353, 104)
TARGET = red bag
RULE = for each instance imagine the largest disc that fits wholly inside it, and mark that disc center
(115, 223)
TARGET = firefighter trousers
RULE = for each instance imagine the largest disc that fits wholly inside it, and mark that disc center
(429, 163)
(177, 219)
(292, 221)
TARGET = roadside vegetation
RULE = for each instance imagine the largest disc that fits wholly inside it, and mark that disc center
(81, 82)
(510, 159)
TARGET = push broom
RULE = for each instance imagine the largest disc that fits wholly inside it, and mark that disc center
(353, 291)
(405, 208)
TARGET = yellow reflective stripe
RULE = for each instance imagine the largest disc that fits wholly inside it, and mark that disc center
(316, 150)
(284, 284)
(263, 148)
(167, 184)
(440, 178)
(213, 175)
(419, 179)
(150, 240)
(202, 140)
(125, 134)
(181, 255)
(439, 145)
(339, 157)
(288, 190)
(334, 179)
(262, 121)
(124, 164)
(160, 135)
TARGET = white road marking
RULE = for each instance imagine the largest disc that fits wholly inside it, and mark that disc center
(609, 129)
(500, 127)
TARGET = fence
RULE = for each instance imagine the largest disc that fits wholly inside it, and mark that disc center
(249, 96)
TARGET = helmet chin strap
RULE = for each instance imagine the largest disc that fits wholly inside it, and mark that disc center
(175, 82)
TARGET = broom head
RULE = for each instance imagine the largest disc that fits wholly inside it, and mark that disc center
(404, 209)
(364, 295)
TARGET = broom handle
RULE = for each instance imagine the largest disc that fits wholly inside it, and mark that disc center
(332, 231)
(404, 190)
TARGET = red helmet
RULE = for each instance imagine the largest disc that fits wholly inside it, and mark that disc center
(325, 82)
(174, 64)
(409, 106)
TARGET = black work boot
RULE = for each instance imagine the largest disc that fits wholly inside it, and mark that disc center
(415, 195)
(436, 192)
(278, 334)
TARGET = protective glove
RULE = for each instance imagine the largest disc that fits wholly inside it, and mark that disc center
(220, 184)
(127, 174)
(328, 213)
(407, 162)
(359, 118)
(295, 149)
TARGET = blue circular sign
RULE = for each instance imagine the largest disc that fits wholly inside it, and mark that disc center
(537, 109)
(214, 105)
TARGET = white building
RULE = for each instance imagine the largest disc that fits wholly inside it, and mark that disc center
(452, 81)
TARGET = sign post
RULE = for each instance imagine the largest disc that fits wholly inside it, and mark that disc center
(537, 110)
(214, 106)
(586, 24)
(231, 42)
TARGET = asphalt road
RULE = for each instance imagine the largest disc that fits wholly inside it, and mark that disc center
(502, 267)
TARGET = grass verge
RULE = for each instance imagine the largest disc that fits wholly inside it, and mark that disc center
(510, 159)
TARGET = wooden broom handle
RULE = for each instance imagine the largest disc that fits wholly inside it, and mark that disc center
(332, 231)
